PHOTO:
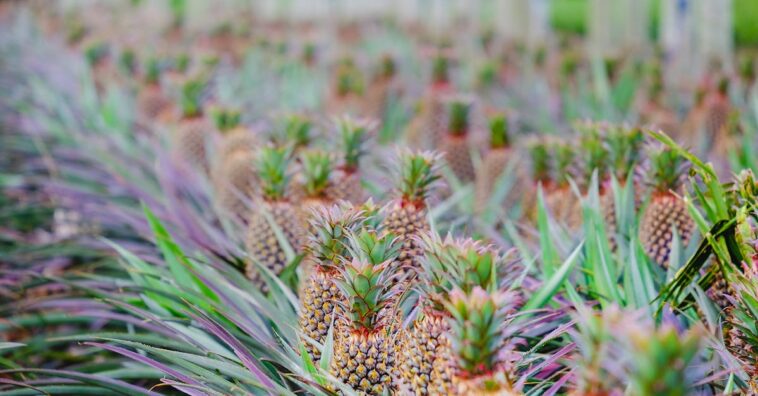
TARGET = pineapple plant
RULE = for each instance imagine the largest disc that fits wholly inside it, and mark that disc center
(475, 366)
(326, 249)
(434, 111)
(741, 319)
(455, 143)
(717, 110)
(152, 101)
(462, 264)
(297, 131)
(316, 170)
(667, 209)
(494, 162)
(353, 135)
(364, 353)
(235, 137)
(624, 145)
(381, 86)
(347, 96)
(273, 210)
(191, 133)
(236, 182)
(406, 214)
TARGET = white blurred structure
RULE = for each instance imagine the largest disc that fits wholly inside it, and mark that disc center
(696, 34)
(618, 26)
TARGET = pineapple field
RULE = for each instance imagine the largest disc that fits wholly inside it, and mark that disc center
(334, 197)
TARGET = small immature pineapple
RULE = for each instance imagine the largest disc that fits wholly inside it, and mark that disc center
(192, 132)
(326, 249)
(234, 136)
(406, 215)
(381, 87)
(348, 94)
(347, 177)
(666, 209)
(273, 210)
(434, 125)
(455, 144)
(316, 170)
(494, 161)
(625, 147)
(364, 353)
(152, 101)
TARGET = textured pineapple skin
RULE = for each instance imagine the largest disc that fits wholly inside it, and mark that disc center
(261, 241)
(458, 157)
(364, 361)
(238, 139)
(347, 186)
(406, 221)
(664, 212)
(492, 167)
(152, 102)
(190, 141)
(318, 301)
(236, 177)
(420, 348)
(562, 204)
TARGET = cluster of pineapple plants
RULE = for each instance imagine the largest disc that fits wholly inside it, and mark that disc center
(229, 201)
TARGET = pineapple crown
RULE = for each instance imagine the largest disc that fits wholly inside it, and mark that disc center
(297, 129)
(95, 52)
(372, 213)
(152, 71)
(178, 12)
(625, 146)
(564, 153)
(181, 62)
(191, 97)
(723, 86)
(499, 131)
(317, 168)
(367, 281)
(440, 69)
(349, 80)
(127, 61)
(225, 119)
(667, 169)
(388, 66)
(462, 264)
(353, 135)
(458, 123)
(540, 160)
(487, 74)
(661, 357)
(328, 244)
(418, 171)
(477, 319)
(596, 155)
(272, 163)
(747, 68)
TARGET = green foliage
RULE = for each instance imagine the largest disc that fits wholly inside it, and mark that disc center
(272, 165)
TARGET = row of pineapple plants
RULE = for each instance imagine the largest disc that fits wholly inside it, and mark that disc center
(406, 217)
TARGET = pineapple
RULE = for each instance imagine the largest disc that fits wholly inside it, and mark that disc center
(494, 161)
(666, 209)
(475, 365)
(236, 181)
(406, 215)
(364, 353)
(741, 327)
(347, 178)
(434, 125)
(455, 143)
(551, 169)
(152, 101)
(348, 94)
(625, 149)
(234, 136)
(380, 89)
(462, 264)
(316, 171)
(297, 131)
(717, 112)
(326, 248)
(274, 209)
(192, 131)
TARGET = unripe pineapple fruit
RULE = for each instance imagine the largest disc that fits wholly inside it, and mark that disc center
(494, 161)
(625, 146)
(152, 101)
(364, 353)
(406, 215)
(347, 96)
(235, 181)
(380, 88)
(326, 249)
(434, 122)
(346, 184)
(316, 170)
(455, 144)
(666, 209)
(192, 133)
(273, 210)
(234, 136)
